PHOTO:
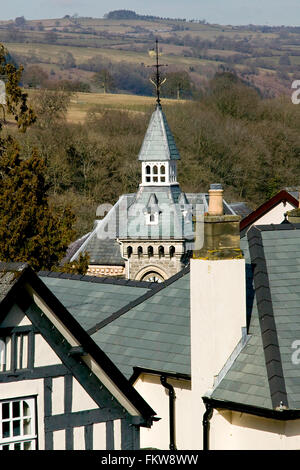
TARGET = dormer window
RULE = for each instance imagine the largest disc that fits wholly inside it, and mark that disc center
(152, 218)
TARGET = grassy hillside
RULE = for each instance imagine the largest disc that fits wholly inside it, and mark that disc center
(268, 57)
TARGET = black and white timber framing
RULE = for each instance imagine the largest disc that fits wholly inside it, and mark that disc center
(113, 412)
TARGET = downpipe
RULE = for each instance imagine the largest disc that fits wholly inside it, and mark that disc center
(163, 380)
(206, 425)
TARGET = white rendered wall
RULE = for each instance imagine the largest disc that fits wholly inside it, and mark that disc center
(240, 431)
(218, 313)
(187, 428)
(275, 215)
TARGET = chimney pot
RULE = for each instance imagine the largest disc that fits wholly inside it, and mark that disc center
(215, 206)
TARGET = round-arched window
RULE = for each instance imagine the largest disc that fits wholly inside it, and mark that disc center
(172, 251)
(161, 252)
(152, 276)
(140, 251)
(150, 251)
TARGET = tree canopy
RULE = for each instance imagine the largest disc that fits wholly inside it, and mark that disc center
(30, 229)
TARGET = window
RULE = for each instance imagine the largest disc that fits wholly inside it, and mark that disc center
(18, 424)
(155, 173)
(15, 348)
(172, 251)
(150, 251)
(153, 277)
(129, 251)
(148, 173)
(152, 219)
(161, 252)
(140, 251)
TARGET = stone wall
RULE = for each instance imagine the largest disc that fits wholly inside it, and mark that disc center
(163, 259)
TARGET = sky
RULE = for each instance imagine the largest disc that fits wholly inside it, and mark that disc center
(234, 12)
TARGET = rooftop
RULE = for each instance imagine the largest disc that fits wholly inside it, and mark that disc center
(264, 373)
(159, 143)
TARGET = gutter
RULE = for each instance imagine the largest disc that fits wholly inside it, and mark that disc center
(280, 413)
(172, 397)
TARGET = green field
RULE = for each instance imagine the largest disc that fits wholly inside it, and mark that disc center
(195, 47)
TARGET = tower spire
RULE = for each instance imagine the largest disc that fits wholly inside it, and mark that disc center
(158, 80)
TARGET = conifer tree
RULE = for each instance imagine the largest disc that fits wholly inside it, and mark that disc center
(30, 230)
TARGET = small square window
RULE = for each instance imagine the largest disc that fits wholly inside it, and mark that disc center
(18, 429)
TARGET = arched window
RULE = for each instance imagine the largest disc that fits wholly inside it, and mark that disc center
(172, 251)
(155, 172)
(148, 174)
(162, 173)
(129, 251)
(152, 277)
(140, 251)
(161, 252)
(152, 217)
(150, 251)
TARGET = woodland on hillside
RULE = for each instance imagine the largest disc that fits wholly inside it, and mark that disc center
(229, 135)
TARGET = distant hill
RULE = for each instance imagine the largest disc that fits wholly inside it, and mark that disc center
(75, 48)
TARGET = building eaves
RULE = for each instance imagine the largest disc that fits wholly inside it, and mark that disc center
(98, 280)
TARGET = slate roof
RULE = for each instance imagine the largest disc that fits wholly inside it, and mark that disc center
(126, 219)
(159, 143)
(152, 331)
(137, 324)
(263, 374)
(9, 275)
(92, 299)
(240, 208)
(73, 248)
(154, 334)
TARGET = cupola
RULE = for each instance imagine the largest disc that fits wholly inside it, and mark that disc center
(159, 153)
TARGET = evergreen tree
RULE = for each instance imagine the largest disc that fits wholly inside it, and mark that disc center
(30, 230)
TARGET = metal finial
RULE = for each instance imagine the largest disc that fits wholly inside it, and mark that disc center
(158, 81)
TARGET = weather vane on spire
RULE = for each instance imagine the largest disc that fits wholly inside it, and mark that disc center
(157, 80)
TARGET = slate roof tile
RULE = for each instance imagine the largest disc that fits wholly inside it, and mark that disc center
(283, 269)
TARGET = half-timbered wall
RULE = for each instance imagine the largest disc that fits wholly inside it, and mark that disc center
(72, 409)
